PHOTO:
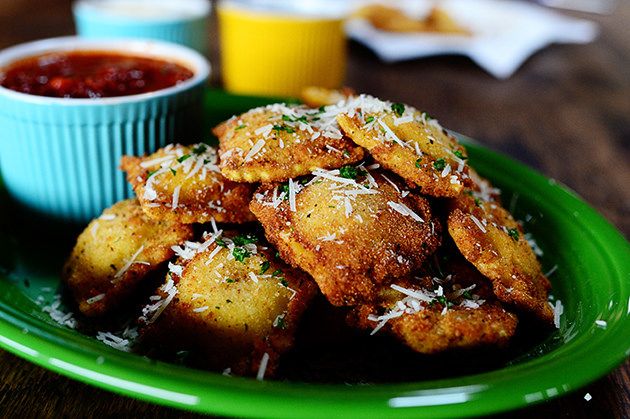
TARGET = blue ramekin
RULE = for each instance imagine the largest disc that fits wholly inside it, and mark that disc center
(60, 157)
(183, 22)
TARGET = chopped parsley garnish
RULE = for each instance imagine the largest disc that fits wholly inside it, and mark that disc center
(439, 164)
(459, 154)
(322, 109)
(240, 127)
(243, 239)
(418, 161)
(229, 280)
(369, 119)
(513, 232)
(228, 301)
(467, 295)
(174, 172)
(477, 201)
(426, 116)
(264, 267)
(240, 253)
(292, 119)
(284, 128)
(284, 283)
(151, 173)
(280, 323)
(220, 242)
(398, 108)
(276, 272)
(348, 172)
(200, 149)
(183, 158)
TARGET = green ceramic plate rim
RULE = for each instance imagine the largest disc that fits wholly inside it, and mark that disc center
(565, 369)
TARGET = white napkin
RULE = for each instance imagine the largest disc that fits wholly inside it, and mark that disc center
(504, 33)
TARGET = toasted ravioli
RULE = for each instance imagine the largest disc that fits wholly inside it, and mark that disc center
(115, 253)
(320, 96)
(232, 300)
(434, 314)
(409, 143)
(351, 229)
(184, 184)
(279, 142)
(489, 237)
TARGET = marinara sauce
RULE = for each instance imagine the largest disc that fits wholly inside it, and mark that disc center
(91, 74)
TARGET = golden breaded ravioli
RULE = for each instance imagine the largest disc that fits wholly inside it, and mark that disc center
(407, 142)
(279, 142)
(232, 300)
(351, 229)
(432, 314)
(115, 253)
(490, 238)
(183, 183)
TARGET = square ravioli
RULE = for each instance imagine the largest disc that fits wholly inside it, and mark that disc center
(430, 314)
(408, 142)
(231, 301)
(115, 253)
(279, 142)
(352, 229)
(494, 242)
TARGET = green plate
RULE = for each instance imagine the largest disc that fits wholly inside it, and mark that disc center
(592, 281)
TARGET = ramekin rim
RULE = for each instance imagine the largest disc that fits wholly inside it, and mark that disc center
(197, 63)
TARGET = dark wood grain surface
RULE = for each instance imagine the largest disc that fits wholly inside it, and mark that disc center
(566, 112)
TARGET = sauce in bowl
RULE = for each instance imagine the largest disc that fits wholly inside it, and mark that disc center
(91, 74)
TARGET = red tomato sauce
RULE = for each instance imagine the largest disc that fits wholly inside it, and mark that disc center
(91, 74)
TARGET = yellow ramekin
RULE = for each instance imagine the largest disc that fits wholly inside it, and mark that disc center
(277, 53)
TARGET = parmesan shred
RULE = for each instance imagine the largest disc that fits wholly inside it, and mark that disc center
(58, 315)
(176, 197)
(292, 191)
(151, 312)
(390, 134)
(254, 150)
(416, 300)
(127, 265)
(94, 299)
(260, 376)
(558, 310)
(404, 210)
(478, 223)
(114, 341)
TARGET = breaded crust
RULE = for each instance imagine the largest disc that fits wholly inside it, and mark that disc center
(184, 184)
(349, 237)
(115, 253)
(410, 144)
(279, 142)
(456, 311)
(489, 237)
(233, 304)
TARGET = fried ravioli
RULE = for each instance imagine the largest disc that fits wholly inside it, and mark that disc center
(184, 184)
(352, 230)
(407, 142)
(279, 142)
(489, 237)
(232, 300)
(434, 314)
(115, 253)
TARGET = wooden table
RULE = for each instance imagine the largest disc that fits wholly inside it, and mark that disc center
(566, 112)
